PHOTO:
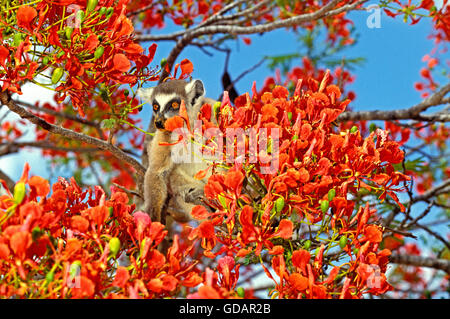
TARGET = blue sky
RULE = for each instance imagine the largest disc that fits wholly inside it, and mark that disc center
(393, 59)
(385, 81)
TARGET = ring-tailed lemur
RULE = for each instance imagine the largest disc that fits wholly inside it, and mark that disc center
(169, 185)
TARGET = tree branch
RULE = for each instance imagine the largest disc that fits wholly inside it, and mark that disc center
(436, 190)
(420, 261)
(13, 147)
(115, 151)
(323, 12)
(184, 38)
(9, 182)
(412, 113)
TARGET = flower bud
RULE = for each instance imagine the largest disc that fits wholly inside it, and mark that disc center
(331, 194)
(279, 204)
(19, 192)
(324, 205)
(289, 115)
(49, 276)
(109, 12)
(91, 5)
(68, 32)
(343, 242)
(307, 244)
(18, 38)
(163, 62)
(74, 269)
(240, 292)
(80, 15)
(222, 201)
(216, 108)
(99, 52)
(57, 74)
(114, 246)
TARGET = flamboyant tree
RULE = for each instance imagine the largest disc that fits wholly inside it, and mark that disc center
(346, 198)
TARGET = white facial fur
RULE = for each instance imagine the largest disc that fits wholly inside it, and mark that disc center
(145, 94)
(163, 99)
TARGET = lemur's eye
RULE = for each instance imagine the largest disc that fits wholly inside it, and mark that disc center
(175, 105)
(155, 107)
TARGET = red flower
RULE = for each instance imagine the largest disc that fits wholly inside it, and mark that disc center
(206, 230)
(121, 278)
(40, 185)
(173, 123)
(284, 229)
(86, 289)
(234, 179)
(298, 282)
(208, 292)
(4, 54)
(25, 16)
(199, 212)
(79, 223)
(121, 63)
(192, 280)
(373, 234)
(4, 251)
(300, 258)
(20, 242)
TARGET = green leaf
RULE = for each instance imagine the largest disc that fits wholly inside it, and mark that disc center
(416, 165)
(108, 124)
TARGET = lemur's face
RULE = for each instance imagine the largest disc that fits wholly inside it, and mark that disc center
(166, 98)
(164, 107)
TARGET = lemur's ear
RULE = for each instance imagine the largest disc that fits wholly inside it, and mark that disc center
(194, 90)
(145, 93)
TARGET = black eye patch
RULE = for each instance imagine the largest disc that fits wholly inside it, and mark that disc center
(155, 106)
(174, 104)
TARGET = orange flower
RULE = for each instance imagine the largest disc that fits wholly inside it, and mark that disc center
(86, 289)
(40, 184)
(155, 285)
(192, 280)
(20, 242)
(199, 212)
(300, 258)
(208, 292)
(79, 223)
(121, 278)
(373, 234)
(234, 179)
(25, 16)
(284, 229)
(121, 63)
(298, 282)
(173, 123)
(186, 67)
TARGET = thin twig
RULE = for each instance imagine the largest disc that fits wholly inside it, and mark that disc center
(420, 261)
(114, 150)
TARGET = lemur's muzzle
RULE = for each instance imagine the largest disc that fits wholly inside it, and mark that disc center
(159, 122)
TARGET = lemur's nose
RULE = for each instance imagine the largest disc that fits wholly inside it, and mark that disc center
(159, 124)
